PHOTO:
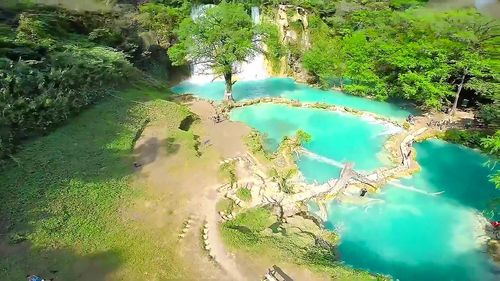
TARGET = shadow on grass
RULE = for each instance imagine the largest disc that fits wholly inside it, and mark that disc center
(57, 264)
(63, 191)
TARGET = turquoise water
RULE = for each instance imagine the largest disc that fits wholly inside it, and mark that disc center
(410, 235)
(405, 234)
(338, 136)
(414, 236)
(288, 88)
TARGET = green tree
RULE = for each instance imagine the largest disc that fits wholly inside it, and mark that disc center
(219, 39)
(162, 20)
(492, 145)
(464, 41)
(327, 59)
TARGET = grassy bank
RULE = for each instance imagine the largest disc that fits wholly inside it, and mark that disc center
(257, 231)
(61, 198)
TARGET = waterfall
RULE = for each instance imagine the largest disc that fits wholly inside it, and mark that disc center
(255, 67)
(200, 73)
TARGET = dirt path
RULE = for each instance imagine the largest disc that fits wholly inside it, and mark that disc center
(182, 185)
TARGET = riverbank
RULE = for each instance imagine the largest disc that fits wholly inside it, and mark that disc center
(252, 261)
(422, 129)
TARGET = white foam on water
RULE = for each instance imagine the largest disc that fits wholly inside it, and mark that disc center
(201, 73)
(255, 66)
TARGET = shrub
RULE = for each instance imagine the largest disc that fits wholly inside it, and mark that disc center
(225, 205)
(227, 171)
(244, 194)
(490, 113)
(254, 220)
(105, 36)
(468, 138)
(36, 96)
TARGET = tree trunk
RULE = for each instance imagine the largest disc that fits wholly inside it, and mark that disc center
(457, 96)
(341, 83)
(228, 78)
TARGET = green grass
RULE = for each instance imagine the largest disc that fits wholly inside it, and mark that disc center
(251, 232)
(244, 194)
(59, 197)
(227, 172)
(225, 205)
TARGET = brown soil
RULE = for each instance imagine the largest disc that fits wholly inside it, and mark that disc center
(180, 184)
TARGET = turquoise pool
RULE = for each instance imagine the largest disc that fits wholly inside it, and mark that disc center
(408, 235)
(288, 88)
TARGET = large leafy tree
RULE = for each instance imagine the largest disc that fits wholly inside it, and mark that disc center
(492, 145)
(476, 40)
(162, 20)
(219, 39)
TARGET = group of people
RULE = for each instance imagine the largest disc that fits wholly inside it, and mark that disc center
(217, 118)
(410, 119)
(439, 123)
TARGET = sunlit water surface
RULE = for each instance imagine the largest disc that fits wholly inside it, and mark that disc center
(288, 88)
(408, 235)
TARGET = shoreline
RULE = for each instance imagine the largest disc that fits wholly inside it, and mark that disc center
(394, 146)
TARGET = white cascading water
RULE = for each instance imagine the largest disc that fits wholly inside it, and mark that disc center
(253, 69)
(200, 73)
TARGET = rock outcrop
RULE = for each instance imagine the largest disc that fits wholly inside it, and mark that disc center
(293, 25)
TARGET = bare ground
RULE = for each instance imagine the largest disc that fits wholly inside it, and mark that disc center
(180, 184)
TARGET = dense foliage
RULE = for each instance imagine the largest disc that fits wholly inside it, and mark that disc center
(46, 75)
(218, 39)
(55, 61)
(492, 145)
(419, 54)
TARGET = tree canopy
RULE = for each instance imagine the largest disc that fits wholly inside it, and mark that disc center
(219, 39)
(419, 54)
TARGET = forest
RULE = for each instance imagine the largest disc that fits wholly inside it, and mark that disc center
(56, 60)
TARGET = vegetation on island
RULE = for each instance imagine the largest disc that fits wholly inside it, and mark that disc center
(244, 194)
(297, 241)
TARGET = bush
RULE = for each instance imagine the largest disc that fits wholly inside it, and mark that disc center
(36, 95)
(244, 194)
(225, 205)
(255, 142)
(468, 138)
(255, 220)
(490, 114)
(227, 171)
